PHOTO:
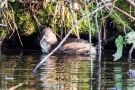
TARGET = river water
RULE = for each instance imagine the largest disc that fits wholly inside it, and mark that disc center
(62, 72)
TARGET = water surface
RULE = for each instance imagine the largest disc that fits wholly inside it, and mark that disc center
(62, 72)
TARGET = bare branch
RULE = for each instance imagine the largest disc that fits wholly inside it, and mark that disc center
(3, 25)
(24, 2)
(131, 2)
(2, 3)
(125, 13)
(74, 19)
(99, 35)
(15, 87)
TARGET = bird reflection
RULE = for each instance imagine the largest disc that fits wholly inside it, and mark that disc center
(131, 73)
(48, 73)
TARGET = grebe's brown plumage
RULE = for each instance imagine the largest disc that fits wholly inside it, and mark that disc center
(71, 46)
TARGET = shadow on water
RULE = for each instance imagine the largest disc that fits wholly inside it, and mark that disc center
(62, 72)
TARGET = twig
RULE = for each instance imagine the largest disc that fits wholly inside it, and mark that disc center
(99, 36)
(4, 25)
(19, 36)
(15, 87)
(117, 17)
(16, 28)
(131, 3)
(89, 15)
(91, 61)
(66, 5)
(2, 3)
(37, 21)
(24, 2)
(8, 22)
(74, 19)
(130, 52)
(123, 12)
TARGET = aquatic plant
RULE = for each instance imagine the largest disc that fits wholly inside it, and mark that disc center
(129, 38)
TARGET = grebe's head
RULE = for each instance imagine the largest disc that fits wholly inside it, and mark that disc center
(48, 38)
(45, 46)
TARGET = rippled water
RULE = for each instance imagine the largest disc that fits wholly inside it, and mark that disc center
(62, 72)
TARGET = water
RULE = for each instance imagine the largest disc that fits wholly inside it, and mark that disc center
(64, 72)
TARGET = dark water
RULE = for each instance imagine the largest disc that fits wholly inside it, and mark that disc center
(64, 72)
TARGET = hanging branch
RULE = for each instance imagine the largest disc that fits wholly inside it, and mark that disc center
(125, 13)
(91, 61)
(89, 28)
(12, 24)
(131, 2)
(99, 35)
(74, 19)
(116, 16)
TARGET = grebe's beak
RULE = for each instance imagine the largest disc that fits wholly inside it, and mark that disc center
(44, 46)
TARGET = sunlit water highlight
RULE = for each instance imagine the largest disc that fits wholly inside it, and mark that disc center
(64, 72)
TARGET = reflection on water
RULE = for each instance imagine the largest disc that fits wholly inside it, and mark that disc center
(62, 72)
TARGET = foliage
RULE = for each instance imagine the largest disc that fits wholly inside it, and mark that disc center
(119, 44)
(129, 39)
(55, 16)
(83, 27)
(2, 33)
(26, 24)
(52, 15)
(11, 0)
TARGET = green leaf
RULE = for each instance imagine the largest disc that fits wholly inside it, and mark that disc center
(119, 45)
(11, 0)
(130, 38)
